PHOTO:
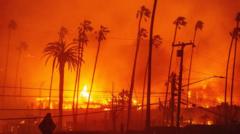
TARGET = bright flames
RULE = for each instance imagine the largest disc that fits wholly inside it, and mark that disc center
(96, 101)
(84, 93)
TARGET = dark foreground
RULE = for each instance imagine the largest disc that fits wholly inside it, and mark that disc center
(199, 129)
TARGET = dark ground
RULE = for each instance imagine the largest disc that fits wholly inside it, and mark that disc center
(199, 129)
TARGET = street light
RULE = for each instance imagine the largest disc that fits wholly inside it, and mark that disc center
(211, 77)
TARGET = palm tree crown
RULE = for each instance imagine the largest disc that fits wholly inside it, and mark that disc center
(23, 46)
(199, 25)
(143, 12)
(102, 33)
(12, 24)
(61, 52)
(157, 40)
(238, 17)
(180, 21)
(84, 27)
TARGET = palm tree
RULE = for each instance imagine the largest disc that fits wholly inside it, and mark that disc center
(23, 46)
(148, 111)
(235, 36)
(198, 26)
(62, 54)
(82, 40)
(157, 41)
(180, 21)
(100, 37)
(11, 27)
(143, 13)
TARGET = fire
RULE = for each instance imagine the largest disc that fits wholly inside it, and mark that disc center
(96, 101)
(84, 93)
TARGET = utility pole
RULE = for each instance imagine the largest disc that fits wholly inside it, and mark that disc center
(180, 54)
(173, 94)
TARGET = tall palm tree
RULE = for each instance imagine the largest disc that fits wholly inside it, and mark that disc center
(198, 26)
(235, 36)
(23, 46)
(180, 21)
(143, 13)
(62, 54)
(81, 41)
(100, 37)
(148, 110)
(157, 41)
(12, 25)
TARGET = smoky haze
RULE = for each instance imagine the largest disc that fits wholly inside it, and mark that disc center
(39, 21)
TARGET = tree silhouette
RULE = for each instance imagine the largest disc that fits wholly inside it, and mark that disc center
(235, 35)
(62, 54)
(180, 21)
(151, 42)
(157, 41)
(12, 25)
(81, 41)
(143, 13)
(23, 46)
(198, 26)
(101, 36)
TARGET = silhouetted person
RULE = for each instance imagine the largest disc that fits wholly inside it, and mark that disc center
(47, 125)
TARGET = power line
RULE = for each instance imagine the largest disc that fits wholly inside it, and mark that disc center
(66, 115)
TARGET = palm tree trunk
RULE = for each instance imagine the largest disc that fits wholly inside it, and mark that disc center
(190, 66)
(74, 98)
(169, 72)
(76, 88)
(144, 84)
(234, 63)
(6, 64)
(51, 81)
(79, 75)
(233, 72)
(227, 67)
(133, 74)
(92, 82)
(17, 70)
(61, 89)
(148, 111)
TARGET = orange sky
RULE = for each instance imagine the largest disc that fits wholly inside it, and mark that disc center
(39, 21)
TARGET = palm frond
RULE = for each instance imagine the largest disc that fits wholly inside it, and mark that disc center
(238, 17)
(157, 40)
(180, 21)
(12, 24)
(143, 33)
(199, 25)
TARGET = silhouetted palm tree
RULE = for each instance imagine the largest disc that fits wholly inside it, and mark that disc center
(151, 42)
(180, 21)
(157, 41)
(143, 13)
(198, 26)
(81, 41)
(62, 54)
(100, 37)
(11, 27)
(23, 46)
(235, 36)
